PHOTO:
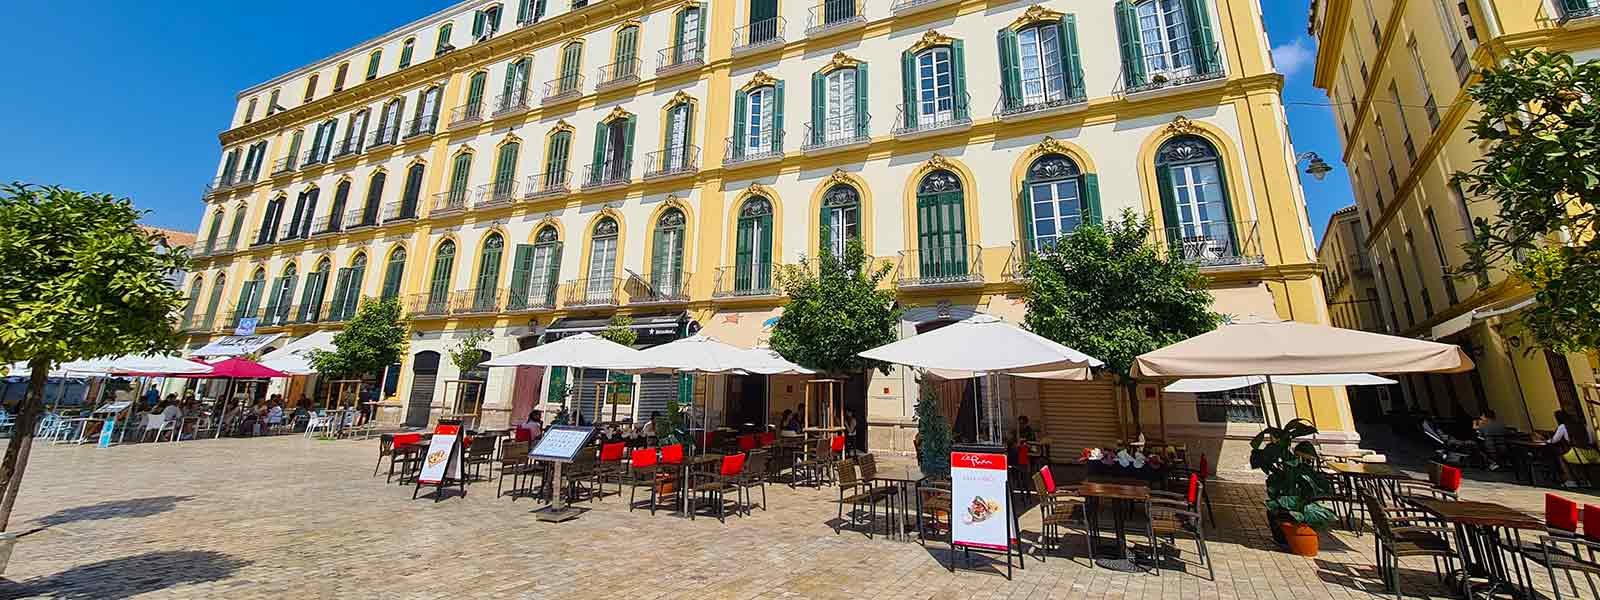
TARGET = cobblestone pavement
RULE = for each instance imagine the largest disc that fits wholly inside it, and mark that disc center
(285, 516)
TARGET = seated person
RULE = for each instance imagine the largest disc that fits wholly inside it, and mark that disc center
(1569, 447)
(1490, 433)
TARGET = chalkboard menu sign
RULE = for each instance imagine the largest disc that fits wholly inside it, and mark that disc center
(561, 443)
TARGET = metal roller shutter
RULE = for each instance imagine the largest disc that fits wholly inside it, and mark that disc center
(1079, 414)
(654, 393)
(588, 401)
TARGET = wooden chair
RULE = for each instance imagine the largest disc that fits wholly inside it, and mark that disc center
(644, 469)
(934, 515)
(386, 449)
(1061, 508)
(815, 466)
(610, 467)
(717, 485)
(1414, 536)
(855, 492)
(755, 476)
(513, 458)
(407, 460)
(479, 453)
(1172, 515)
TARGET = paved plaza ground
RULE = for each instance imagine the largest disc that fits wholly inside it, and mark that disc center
(287, 516)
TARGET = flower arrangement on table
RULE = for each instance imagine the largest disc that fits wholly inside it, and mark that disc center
(1154, 459)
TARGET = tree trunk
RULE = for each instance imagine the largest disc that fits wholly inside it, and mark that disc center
(1131, 388)
(16, 461)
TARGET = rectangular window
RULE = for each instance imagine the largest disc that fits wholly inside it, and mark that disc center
(1057, 210)
(840, 102)
(1164, 31)
(1444, 259)
(1405, 292)
(936, 87)
(758, 122)
(1416, 263)
(1242, 405)
(1039, 50)
(1405, 128)
(338, 78)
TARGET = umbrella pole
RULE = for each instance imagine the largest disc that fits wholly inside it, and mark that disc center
(227, 399)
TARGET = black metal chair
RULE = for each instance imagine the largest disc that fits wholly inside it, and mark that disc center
(1400, 533)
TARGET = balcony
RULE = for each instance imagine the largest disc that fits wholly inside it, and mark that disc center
(594, 292)
(384, 136)
(466, 114)
(339, 312)
(399, 211)
(1216, 245)
(358, 218)
(293, 230)
(618, 74)
(672, 162)
(1569, 12)
(753, 150)
(495, 194)
(350, 147)
(284, 165)
(540, 296)
(670, 287)
(1181, 69)
(562, 89)
(679, 57)
(424, 126)
(262, 238)
(429, 305)
(479, 301)
(837, 133)
(756, 280)
(758, 35)
(905, 7)
(613, 172)
(547, 185)
(1359, 263)
(1016, 269)
(512, 104)
(1039, 104)
(940, 267)
(449, 202)
(948, 114)
(831, 16)
(327, 225)
(223, 183)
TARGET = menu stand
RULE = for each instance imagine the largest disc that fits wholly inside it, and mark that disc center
(559, 446)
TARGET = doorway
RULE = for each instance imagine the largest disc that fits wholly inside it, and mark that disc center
(424, 376)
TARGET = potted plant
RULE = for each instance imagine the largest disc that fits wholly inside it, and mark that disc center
(1293, 484)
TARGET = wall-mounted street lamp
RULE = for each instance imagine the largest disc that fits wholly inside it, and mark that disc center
(1317, 168)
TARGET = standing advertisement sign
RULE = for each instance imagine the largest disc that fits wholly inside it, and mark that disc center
(980, 501)
(441, 466)
(558, 446)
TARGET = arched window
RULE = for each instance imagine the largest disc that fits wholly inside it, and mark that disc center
(486, 22)
(193, 302)
(514, 94)
(215, 302)
(535, 275)
(291, 161)
(557, 161)
(625, 54)
(389, 122)
(505, 172)
(412, 195)
(427, 116)
(341, 196)
(230, 166)
(407, 48)
(237, 228)
(569, 79)
(442, 45)
(340, 76)
(439, 287)
(488, 285)
(347, 290)
(355, 133)
(316, 289)
(394, 273)
(472, 110)
(280, 297)
(456, 197)
(758, 121)
(304, 207)
(216, 230)
(602, 261)
(374, 202)
(311, 89)
(373, 61)
(841, 217)
(613, 151)
(752, 257)
(250, 297)
(935, 86)
(1194, 201)
(322, 143)
(1057, 198)
(666, 264)
(941, 228)
(271, 220)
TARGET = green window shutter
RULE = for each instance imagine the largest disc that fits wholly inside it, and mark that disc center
(627, 145)
(1073, 60)
(479, 21)
(658, 259)
(685, 389)
(958, 66)
(444, 39)
(509, 87)
(538, 8)
(392, 277)
(216, 230)
(764, 253)
(1201, 37)
(353, 299)
(599, 152)
(459, 174)
(237, 228)
(311, 296)
(677, 34)
(241, 308)
(553, 276)
(1025, 214)
(777, 118)
(558, 379)
(688, 127)
(341, 288)
(1010, 68)
(1169, 206)
(521, 276)
(405, 55)
(741, 108)
(439, 287)
(372, 64)
(1091, 199)
(862, 100)
(743, 258)
(489, 271)
(475, 88)
(232, 163)
(494, 20)
(908, 88)
(700, 41)
(818, 99)
(216, 300)
(1132, 49)
(505, 173)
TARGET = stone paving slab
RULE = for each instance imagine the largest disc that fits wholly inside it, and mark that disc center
(287, 516)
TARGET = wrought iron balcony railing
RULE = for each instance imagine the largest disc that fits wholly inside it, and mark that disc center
(328, 224)
(940, 266)
(491, 194)
(838, 132)
(1182, 67)
(752, 279)
(830, 15)
(668, 287)
(1042, 102)
(564, 88)
(477, 301)
(349, 147)
(541, 295)
(516, 102)
(615, 171)
(670, 162)
(286, 164)
(908, 6)
(594, 291)
(755, 148)
(766, 32)
(620, 73)
(426, 125)
(399, 211)
(466, 114)
(449, 201)
(1216, 244)
(548, 184)
(941, 113)
(430, 305)
(357, 218)
(679, 57)
(316, 156)
(384, 136)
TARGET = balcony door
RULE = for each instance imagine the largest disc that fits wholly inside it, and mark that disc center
(602, 261)
(1194, 199)
(666, 264)
(936, 102)
(839, 92)
(677, 148)
(841, 218)
(1039, 51)
(759, 105)
(752, 261)
(941, 226)
(1164, 32)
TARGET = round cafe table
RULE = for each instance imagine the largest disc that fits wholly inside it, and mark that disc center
(1122, 493)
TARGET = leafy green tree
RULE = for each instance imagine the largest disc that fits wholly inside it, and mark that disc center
(79, 279)
(933, 433)
(466, 354)
(1107, 291)
(1541, 170)
(372, 341)
(619, 330)
(836, 312)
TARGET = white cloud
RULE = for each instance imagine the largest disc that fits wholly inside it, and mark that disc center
(1290, 58)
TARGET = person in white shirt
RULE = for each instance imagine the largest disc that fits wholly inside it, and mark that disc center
(1570, 448)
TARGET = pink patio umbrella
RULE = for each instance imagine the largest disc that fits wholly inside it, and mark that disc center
(234, 369)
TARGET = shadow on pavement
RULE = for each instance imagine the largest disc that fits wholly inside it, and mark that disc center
(115, 509)
(127, 576)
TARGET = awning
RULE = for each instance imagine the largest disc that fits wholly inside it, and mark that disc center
(295, 357)
(742, 328)
(237, 345)
(1465, 321)
(1237, 302)
(659, 324)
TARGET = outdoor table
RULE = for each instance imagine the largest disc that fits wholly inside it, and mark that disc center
(1122, 492)
(1485, 532)
(1378, 477)
(691, 463)
(905, 480)
(1528, 452)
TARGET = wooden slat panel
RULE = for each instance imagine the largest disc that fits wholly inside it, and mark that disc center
(1078, 414)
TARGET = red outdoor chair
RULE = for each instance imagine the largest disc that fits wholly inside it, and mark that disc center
(644, 469)
(768, 438)
(521, 434)
(716, 485)
(672, 455)
(1563, 549)
(398, 443)
(610, 466)
(747, 442)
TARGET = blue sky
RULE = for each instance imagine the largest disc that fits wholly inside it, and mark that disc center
(129, 100)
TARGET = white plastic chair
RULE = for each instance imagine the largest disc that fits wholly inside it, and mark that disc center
(319, 420)
(51, 427)
(155, 422)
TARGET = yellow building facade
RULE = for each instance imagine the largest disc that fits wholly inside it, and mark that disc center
(534, 172)
(1397, 73)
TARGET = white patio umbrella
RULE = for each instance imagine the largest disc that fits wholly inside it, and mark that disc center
(1222, 384)
(583, 351)
(769, 362)
(699, 354)
(145, 364)
(295, 357)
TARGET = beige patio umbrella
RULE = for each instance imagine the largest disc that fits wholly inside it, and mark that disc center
(1255, 346)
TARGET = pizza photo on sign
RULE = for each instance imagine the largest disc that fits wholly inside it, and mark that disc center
(436, 457)
(980, 510)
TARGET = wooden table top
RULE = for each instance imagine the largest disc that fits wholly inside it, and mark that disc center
(1119, 491)
(1482, 514)
(901, 474)
(1368, 470)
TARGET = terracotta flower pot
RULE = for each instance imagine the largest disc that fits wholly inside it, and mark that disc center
(1302, 538)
